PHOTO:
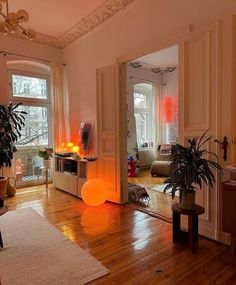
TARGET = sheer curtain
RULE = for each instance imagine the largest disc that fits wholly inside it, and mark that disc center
(60, 120)
(157, 115)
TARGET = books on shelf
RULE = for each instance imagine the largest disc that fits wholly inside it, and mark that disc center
(71, 166)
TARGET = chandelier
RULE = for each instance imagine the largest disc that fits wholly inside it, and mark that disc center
(11, 22)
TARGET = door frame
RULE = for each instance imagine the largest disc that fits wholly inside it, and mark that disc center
(122, 62)
(175, 40)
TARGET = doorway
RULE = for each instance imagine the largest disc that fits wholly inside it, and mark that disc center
(152, 115)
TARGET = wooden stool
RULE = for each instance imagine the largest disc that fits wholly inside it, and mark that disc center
(192, 235)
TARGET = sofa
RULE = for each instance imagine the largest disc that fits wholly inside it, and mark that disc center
(161, 166)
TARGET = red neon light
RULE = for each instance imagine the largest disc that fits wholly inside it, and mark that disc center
(168, 111)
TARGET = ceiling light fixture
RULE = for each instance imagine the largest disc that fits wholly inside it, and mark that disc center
(12, 22)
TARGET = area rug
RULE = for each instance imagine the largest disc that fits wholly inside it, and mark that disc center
(161, 187)
(36, 253)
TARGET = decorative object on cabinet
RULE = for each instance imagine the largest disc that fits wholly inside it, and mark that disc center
(189, 169)
(85, 136)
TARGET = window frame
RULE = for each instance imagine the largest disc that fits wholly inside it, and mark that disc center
(148, 111)
(33, 75)
(34, 102)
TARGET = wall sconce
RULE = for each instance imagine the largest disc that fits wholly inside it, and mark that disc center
(168, 109)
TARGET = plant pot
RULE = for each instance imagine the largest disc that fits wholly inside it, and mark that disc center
(188, 201)
(47, 163)
(3, 186)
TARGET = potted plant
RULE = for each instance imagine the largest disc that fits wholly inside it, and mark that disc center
(46, 154)
(11, 122)
(189, 169)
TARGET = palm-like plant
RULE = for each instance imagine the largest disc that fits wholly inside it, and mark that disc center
(189, 167)
(11, 122)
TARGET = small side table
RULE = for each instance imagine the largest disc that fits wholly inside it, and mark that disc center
(192, 235)
(3, 210)
(46, 170)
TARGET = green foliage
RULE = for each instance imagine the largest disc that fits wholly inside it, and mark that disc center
(11, 122)
(46, 153)
(190, 168)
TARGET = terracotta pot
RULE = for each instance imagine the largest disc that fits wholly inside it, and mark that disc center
(188, 201)
(3, 186)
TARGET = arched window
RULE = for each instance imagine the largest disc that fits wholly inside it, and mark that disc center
(30, 85)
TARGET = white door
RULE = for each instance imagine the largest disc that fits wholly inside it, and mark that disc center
(199, 106)
(109, 130)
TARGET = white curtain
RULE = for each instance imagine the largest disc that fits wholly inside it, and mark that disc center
(157, 115)
(60, 112)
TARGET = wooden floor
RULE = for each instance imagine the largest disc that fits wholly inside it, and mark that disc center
(135, 247)
(160, 203)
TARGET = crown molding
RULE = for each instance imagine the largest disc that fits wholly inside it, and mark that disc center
(101, 14)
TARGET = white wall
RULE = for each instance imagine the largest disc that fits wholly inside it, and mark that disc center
(22, 48)
(136, 29)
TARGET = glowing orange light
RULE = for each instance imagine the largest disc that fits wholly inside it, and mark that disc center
(94, 192)
(168, 113)
(70, 144)
(75, 148)
(94, 227)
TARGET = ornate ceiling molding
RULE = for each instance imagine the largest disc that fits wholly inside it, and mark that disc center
(86, 25)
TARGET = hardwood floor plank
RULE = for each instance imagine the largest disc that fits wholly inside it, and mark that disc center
(135, 247)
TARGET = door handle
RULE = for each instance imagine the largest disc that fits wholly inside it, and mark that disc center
(224, 145)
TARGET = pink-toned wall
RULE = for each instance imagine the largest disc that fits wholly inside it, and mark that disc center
(30, 49)
(139, 27)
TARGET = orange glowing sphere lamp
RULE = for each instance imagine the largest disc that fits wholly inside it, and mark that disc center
(94, 192)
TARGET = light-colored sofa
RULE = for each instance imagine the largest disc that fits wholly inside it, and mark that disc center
(161, 166)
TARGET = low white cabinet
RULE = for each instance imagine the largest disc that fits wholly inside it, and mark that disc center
(70, 174)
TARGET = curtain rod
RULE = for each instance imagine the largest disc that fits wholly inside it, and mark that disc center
(163, 84)
(4, 53)
(135, 77)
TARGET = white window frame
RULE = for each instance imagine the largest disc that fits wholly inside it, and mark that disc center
(37, 102)
(148, 111)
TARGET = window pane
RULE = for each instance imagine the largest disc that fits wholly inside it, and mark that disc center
(141, 128)
(30, 87)
(140, 100)
(35, 131)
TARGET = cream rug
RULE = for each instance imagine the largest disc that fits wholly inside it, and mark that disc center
(36, 253)
(161, 187)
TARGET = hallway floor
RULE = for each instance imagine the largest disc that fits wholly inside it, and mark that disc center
(160, 203)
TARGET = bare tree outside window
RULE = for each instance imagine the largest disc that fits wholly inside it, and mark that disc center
(32, 91)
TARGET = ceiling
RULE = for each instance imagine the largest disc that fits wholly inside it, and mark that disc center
(60, 22)
(167, 57)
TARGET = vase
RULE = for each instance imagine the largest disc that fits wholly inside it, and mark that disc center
(3, 186)
(11, 187)
(188, 201)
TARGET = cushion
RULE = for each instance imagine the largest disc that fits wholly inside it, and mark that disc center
(164, 152)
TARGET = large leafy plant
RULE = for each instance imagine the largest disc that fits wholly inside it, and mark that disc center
(190, 167)
(11, 122)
